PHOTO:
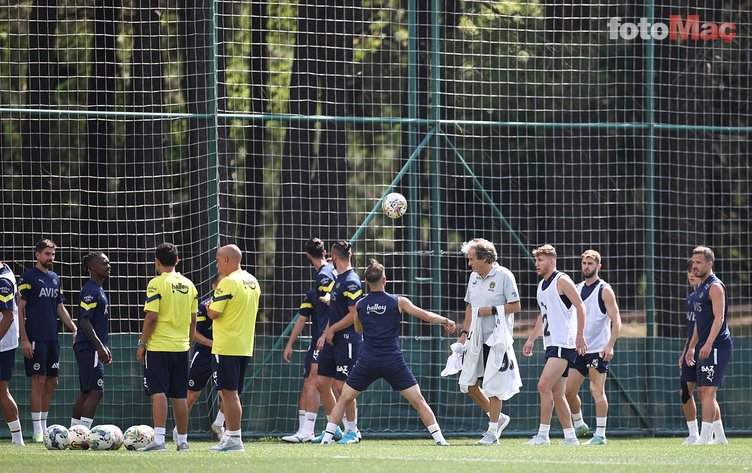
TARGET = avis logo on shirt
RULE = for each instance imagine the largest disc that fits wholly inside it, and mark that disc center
(49, 292)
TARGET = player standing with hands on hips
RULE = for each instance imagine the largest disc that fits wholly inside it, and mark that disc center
(39, 305)
(562, 323)
(233, 309)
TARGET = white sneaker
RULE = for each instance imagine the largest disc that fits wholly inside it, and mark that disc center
(228, 445)
(717, 441)
(442, 444)
(489, 438)
(691, 440)
(539, 440)
(297, 437)
(568, 442)
(219, 430)
(700, 441)
(503, 423)
(154, 447)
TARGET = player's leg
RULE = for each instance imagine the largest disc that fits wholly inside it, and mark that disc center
(230, 375)
(156, 385)
(709, 411)
(312, 401)
(416, 399)
(177, 392)
(479, 397)
(343, 404)
(51, 380)
(571, 391)
(598, 391)
(710, 374)
(36, 369)
(688, 381)
(91, 383)
(551, 375)
(8, 404)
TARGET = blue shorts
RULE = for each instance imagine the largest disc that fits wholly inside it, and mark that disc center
(393, 369)
(312, 356)
(229, 371)
(90, 370)
(583, 363)
(166, 372)
(337, 361)
(569, 354)
(7, 360)
(688, 373)
(46, 359)
(200, 370)
(711, 370)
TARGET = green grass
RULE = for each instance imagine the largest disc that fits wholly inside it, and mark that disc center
(413, 456)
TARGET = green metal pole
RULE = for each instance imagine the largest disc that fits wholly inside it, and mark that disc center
(213, 192)
(650, 177)
(436, 220)
(412, 221)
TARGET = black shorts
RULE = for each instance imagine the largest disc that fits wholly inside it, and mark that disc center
(166, 372)
(7, 360)
(229, 371)
(46, 359)
(90, 370)
(569, 354)
(587, 361)
(688, 373)
(200, 370)
(312, 356)
(337, 361)
(393, 370)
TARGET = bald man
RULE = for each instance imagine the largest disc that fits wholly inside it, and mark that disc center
(233, 309)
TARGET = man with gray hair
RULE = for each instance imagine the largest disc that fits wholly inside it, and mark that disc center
(492, 299)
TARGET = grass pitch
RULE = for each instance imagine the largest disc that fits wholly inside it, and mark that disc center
(409, 456)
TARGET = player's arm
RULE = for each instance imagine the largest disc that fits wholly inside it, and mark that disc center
(612, 309)
(26, 345)
(341, 324)
(297, 329)
(510, 308)
(356, 321)
(567, 288)
(690, 351)
(105, 356)
(6, 321)
(7, 299)
(192, 331)
(406, 305)
(65, 317)
(198, 338)
(718, 300)
(322, 339)
(527, 348)
(466, 324)
(150, 323)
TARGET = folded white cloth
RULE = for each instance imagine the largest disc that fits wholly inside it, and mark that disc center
(502, 375)
(454, 362)
(473, 351)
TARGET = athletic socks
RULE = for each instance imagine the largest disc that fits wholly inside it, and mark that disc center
(159, 435)
(693, 429)
(577, 419)
(74, 421)
(600, 426)
(706, 432)
(86, 422)
(350, 426)
(309, 425)
(329, 432)
(569, 433)
(15, 431)
(36, 421)
(220, 419)
(435, 432)
(720, 435)
(301, 419)
(44, 420)
(544, 429)
(492, 427)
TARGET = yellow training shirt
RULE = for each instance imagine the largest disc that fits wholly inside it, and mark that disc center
(237, 300)
(175, 299)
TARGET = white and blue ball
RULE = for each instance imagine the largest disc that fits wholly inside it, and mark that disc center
(394, 205)
(79, 437)
(138, 436)
(56, 437)
(105, 437)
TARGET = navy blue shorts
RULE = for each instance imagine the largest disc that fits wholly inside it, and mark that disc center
(7, 360)
(90, 370)
(46, 359)
(393, 369)
(166, 372)
(337, 361)
(583, 363)
(711, 370)
(229, 372)
(312, 356)
(569, 354)
(688, 373)
(200, 370)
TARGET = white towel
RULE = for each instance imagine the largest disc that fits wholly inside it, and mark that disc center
(501, 377)
(454, 362)
(473, 350)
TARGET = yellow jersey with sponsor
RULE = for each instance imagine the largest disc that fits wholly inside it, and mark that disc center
(236, 299)
(175, 299)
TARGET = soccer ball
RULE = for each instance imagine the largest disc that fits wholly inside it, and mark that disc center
(56, 437)
(79, 437)
(105, 437)
(395, 205)
(138, 436)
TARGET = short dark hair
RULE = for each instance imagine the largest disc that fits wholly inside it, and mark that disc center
(342, 249)
(89, 258)
(689, 265)
(374, 272)
(44, 243)
(315, 247)
(167, 254)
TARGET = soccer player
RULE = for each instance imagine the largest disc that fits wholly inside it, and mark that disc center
(169, 325)
(201, 361)
(339, 344)
(490, 286)
(688, 378)
(91, 349)
(378, 318)
(8, 345)
(711, 334)
(602, 328)
(563, 338)
(39, 306)
(233, 309)
(315, 309)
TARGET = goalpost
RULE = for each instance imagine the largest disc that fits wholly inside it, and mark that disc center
(125, 123)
